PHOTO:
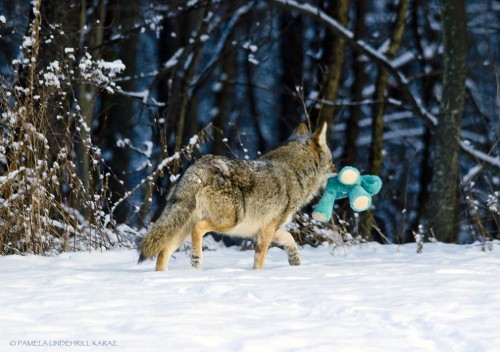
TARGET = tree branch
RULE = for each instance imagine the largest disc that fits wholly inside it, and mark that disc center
(333, 25)
(402, 81)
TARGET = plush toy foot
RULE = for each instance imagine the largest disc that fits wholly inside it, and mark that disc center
(361, 203)
(349, 175)
(359, 199)
(320, 216)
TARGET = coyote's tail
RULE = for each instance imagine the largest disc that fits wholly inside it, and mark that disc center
(174, 219)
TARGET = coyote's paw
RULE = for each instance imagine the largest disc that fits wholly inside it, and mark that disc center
(196, 261)
(294, 259)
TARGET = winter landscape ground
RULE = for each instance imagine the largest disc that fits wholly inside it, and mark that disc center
(354, 298)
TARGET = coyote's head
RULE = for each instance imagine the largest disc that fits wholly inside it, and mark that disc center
(316, 147)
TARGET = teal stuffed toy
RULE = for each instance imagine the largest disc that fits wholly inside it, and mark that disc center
(348, 183)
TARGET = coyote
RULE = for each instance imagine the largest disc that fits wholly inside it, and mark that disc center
(252, 199)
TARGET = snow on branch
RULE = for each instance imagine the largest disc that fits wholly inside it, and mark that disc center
(480, 156)
(100, 73)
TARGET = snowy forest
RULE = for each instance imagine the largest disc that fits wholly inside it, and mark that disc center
(104, 103)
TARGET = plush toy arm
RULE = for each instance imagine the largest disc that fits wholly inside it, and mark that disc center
(372, 184)
(323, 210)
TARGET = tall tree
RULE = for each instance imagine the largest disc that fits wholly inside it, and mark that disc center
(87, 94)
(60, 22)
(117, 111)
(223, 96)
(168, 44)
(381, 89)
(292, 57)
(381, 84)
(443, 204)
(332, 63)
(358, 69)
(180, 100)
(423, 32)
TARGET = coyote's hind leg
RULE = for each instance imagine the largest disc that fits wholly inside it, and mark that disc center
(200, 229)
(164, 256)
(285, 239)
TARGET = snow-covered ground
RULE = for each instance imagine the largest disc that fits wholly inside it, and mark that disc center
(359, 298)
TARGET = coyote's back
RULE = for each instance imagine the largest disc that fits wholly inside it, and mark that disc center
(245, 198)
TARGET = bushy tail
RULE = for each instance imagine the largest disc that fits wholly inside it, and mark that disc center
(174, 219)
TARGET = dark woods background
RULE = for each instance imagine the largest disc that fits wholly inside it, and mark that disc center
(90, 145)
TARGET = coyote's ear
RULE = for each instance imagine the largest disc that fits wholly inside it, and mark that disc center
(320, 134)
(302, 129)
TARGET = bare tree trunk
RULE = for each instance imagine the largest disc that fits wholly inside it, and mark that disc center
(87, 93)
(117, 111)
(174, 89)
(292, 58)
(252, 102)
(180, 97)
(421, 32)
(376, 145)
(358, 68)
(333, 60)
(168, 44)
(381, 90)
(444, 205)
(66, 14)
(223, 97)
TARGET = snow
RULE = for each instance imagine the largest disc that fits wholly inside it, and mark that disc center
(252, 59)
(494, 161)
(174, 178)
(27, 42)
(174, 59)
(168, 160)
(114, 67)
(352, 298)
(193, 140)
(249, 46)
(52, 80)
(403, 59)
(100, 72)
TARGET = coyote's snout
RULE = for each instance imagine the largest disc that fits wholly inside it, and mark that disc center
(244, 198)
